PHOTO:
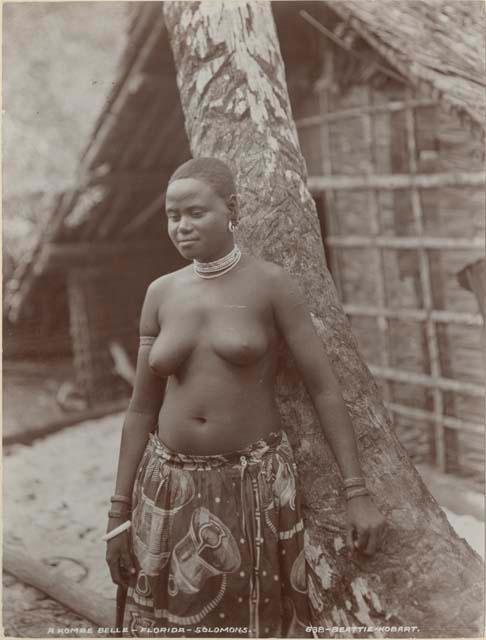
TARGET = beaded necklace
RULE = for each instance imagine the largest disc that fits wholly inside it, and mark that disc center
(218, 267)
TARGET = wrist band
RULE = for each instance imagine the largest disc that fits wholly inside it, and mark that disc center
(118, 498)
(361, 491)
(348, 490)
(118, 514)
(117, 530)
(354, 482)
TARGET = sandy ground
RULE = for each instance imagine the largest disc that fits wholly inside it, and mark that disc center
(56, 495)
(469, 528)
(27, 612)
(29, 395)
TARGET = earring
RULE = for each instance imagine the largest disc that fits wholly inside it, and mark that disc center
(232, 226)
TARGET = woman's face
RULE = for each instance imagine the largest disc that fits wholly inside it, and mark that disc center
(197, 220)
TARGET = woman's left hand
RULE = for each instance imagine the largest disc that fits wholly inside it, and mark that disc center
(365, 525)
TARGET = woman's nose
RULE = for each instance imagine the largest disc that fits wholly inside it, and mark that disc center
(185, 224)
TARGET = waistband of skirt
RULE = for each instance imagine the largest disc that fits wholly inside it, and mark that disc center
(252, 452)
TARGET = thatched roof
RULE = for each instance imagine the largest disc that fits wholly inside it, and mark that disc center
(139, 137)
(438, 45)
(138, 140)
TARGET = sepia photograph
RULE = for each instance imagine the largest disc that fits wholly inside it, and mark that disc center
(244, 299)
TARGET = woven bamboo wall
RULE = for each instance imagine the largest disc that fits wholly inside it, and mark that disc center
(417, 328)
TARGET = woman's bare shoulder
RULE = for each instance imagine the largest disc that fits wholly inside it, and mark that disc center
(157, 294)
(162, 285)
(282, 289)
(268, 278)
(265, 268)
(271, 274)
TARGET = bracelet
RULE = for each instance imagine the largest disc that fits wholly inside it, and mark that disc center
(361, 491)
(349, 482)
(118, 498)
(354, 482)
(118, 514)
(355, 488)
(117, 530)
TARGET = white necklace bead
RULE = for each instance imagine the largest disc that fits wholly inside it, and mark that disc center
(220, 263)
(218, 267)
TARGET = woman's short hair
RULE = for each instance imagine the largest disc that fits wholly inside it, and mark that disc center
(212, 171)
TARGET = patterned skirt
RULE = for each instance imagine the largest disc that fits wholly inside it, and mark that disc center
(218, 542)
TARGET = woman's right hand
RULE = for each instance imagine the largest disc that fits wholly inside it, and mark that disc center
(119, 555)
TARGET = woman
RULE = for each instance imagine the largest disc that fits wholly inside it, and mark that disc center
(216, 537)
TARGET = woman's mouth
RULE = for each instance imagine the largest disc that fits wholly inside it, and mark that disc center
(187, 242)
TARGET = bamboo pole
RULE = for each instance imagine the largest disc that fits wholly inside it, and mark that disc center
(373, 203)
(390, 181)
(355, 112)
(446, 384)
(406, 242)
(327, 168)
(426, 285)
(93, 606)
(420, 414)
(419, 315)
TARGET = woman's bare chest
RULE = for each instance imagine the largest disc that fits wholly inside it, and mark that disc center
(235, 329)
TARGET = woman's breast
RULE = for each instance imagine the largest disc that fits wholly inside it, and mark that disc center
(170, 352)
(237, 344)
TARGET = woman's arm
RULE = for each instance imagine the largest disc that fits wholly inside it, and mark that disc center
(141, 417)
(145, 403)
(295, 325)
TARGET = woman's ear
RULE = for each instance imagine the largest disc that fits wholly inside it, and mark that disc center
(232, 203)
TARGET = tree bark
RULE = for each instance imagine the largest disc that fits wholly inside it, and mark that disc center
(233, 91)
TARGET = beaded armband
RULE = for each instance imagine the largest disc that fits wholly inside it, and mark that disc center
(147, 340)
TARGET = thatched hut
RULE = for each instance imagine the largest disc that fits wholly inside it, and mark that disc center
(86, 277)
(391, 124)
(390, 110)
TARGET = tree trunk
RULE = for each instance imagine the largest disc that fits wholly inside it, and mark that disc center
(93, 606)
(234, 96)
